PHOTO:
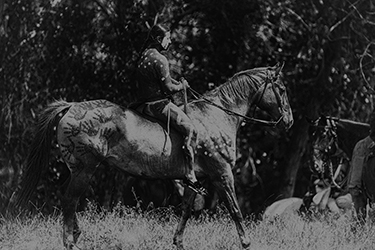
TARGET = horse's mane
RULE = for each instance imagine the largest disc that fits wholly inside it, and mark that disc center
(240, 86)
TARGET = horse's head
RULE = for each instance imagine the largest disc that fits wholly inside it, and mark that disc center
(272, 97)
(324, 144)
(260, 87)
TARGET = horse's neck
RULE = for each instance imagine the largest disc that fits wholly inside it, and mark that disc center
(230, 113)
(234, 101)
(242, 105)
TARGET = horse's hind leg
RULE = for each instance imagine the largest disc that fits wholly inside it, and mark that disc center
(71, 230)
(76, 186)
(187, 205)
(226, 191)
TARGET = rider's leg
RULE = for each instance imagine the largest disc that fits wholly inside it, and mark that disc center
(355, 186)
(165, 111)
(359, 201)
(182, 123)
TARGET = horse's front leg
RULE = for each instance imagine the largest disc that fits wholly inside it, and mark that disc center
(187, 205)
(225, 187)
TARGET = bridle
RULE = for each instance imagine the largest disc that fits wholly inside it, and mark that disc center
(328, 152)
(254, 102)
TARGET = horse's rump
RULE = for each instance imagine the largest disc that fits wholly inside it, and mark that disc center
(283, 207)
(99, 131)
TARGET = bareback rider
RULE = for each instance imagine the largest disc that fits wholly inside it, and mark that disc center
(155, 85)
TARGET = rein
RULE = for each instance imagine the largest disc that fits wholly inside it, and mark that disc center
(246, 118)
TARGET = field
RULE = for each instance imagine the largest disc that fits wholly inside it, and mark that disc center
(127, 229)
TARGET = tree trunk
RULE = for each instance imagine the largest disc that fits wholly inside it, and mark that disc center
(300, 136)
(297, 149)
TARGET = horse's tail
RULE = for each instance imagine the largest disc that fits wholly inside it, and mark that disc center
(38, 158)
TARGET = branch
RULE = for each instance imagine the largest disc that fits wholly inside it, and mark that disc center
(105, 10)
(368, 85)
(176, 20)
(2, 2)
(354, 9)
(299, 18)
(362, 17)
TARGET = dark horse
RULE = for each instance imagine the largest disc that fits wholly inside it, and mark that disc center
(100, 132)
(335, 137)
(333, 143)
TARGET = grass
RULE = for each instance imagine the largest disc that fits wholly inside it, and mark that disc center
(125, 228)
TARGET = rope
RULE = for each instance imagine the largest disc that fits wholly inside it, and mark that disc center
(185, 97)
(169, 120)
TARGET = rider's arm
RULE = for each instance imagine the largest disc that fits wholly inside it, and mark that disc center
(169, 84)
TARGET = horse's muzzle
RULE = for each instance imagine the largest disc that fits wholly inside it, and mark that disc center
(286, 121)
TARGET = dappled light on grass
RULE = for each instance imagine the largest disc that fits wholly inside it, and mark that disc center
(322, 232)
(33, 233)
(128, 228)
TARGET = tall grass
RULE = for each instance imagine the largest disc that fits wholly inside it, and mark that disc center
(126, 228)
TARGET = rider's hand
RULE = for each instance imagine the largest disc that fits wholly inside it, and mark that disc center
(184, 82)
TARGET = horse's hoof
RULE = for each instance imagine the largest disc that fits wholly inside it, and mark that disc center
(72, 247)
(246, 246)
(178, 244)
(76, 235)
(69, 244)
(75, 247)
(245, 242)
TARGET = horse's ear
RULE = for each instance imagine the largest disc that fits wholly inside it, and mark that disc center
(279, 68)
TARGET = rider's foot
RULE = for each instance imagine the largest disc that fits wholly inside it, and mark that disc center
(196, 187)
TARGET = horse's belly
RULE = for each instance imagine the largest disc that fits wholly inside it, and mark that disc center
(148, 165)
(146, 149)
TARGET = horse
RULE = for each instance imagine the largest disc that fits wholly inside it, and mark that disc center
(282, 208)
(99, 132)
(318, 201)
(333, 142)
(335, 133)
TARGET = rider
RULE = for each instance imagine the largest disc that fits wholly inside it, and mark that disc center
(155, 85)
(360, 151)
